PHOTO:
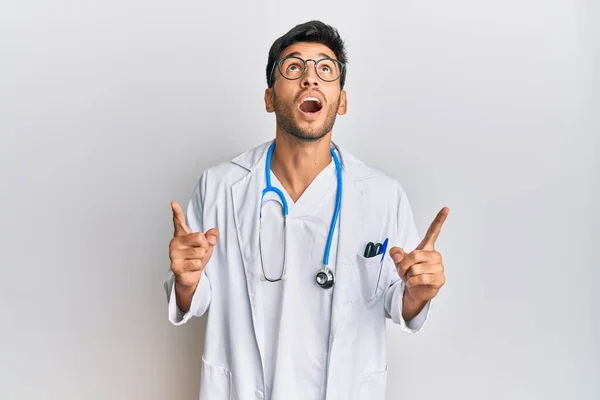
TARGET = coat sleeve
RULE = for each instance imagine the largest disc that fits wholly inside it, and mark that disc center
(202, 295)
(408, 238)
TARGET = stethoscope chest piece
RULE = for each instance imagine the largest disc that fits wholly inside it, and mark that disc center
(325, 278)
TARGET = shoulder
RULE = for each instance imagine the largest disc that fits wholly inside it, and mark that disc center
(227, 173)
(369, 178)
(382, 200)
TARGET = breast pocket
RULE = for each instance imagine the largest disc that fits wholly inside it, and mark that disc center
(372, 277)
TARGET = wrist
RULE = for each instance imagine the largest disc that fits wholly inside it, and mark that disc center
(185, 289)
(184, 295)
(411, 306)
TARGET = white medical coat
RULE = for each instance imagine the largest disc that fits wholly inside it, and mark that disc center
(299, 311)
(374, 207)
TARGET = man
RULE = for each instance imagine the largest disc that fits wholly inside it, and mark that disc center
(297, 307)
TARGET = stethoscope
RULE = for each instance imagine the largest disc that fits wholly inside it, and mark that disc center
(324, 277)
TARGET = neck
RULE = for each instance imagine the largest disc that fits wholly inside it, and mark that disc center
(296, 163)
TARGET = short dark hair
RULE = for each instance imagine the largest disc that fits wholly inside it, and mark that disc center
(312, 31)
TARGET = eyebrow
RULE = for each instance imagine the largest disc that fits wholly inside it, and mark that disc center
(298, 54)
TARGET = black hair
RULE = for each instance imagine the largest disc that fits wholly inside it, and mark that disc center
(312, 31)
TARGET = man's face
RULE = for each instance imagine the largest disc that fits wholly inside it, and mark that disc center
(306, 108)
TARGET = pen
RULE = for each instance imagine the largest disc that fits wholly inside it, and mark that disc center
(384, 248)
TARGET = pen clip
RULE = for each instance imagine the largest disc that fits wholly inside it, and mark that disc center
(384, 249)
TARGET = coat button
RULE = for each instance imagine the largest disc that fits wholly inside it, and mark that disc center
(259, 394)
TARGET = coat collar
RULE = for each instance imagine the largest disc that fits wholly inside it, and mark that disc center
(355, 169)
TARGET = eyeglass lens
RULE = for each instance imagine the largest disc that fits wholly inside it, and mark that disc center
(327, 69)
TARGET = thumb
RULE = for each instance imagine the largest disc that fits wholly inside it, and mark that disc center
(212, 235)
(397, 254)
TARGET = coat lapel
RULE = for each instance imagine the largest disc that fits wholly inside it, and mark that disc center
(246, 208)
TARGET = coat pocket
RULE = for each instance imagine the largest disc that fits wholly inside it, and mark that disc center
(372, 277)
(215, 383)
(373, 386)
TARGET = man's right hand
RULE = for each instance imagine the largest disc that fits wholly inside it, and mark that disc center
(189, 253)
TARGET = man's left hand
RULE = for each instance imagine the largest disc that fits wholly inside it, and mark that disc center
(422, 269)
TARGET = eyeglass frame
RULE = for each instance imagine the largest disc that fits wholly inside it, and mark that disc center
(277, 64)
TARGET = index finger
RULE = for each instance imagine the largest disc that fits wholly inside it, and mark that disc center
(179, 220)
(428, 242)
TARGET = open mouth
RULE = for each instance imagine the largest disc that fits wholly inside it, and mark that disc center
(311, 105)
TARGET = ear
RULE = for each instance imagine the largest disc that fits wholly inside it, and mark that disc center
(343, 106)
(269, 103)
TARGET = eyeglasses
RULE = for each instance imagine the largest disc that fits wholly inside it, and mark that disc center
(292, 68)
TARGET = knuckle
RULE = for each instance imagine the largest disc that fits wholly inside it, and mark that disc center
(199, 252)
(198, 265)
(415, 270)
(418, 255)
(192, 265)
(199, 238)
(176, 267)
(405, 268)
(411, 257)
(173, 257)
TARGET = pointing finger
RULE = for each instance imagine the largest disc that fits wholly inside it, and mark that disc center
(179, 223)
(428, 242)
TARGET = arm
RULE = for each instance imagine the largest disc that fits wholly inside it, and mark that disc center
(411, 307)
(198, 300)
(187, 285)
(419, 274)
(421, 271)
(410, 316)
(400, 308)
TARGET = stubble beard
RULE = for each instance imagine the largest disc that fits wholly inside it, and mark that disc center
(285, 119)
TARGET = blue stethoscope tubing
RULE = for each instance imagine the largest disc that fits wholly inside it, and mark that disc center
(270, 188)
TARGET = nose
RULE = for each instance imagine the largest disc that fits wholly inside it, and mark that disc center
(310, 78)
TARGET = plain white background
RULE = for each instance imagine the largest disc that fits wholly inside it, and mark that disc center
(110, 109)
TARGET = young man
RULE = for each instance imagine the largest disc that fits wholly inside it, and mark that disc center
(297, 306)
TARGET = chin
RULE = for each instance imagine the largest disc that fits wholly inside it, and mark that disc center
(308, 135)
(307, 128)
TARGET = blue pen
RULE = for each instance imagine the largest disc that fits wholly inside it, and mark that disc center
(383, 250)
